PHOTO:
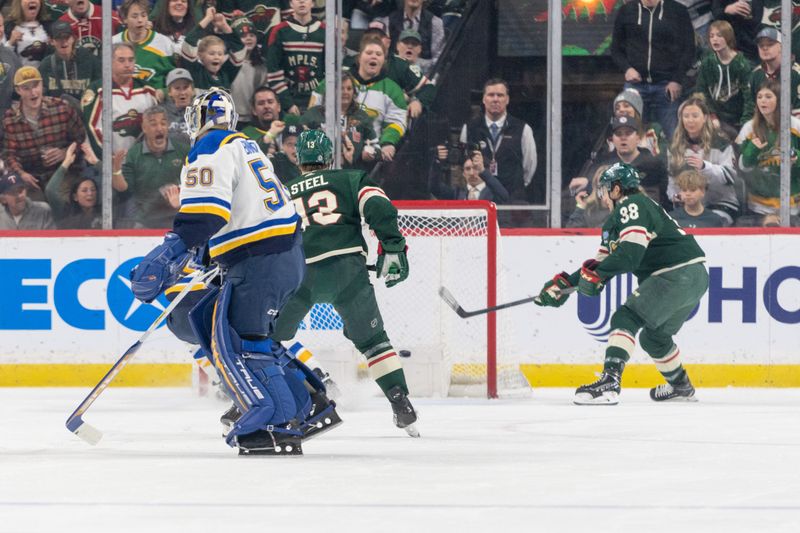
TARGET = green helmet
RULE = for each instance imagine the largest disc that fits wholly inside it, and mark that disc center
(625, 174)
(314, 147)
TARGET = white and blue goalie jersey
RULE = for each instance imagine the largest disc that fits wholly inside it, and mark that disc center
(231, 197)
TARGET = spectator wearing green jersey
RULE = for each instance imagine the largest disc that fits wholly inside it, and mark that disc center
(419, 90)
(151, 173)
(69, 70)
(153, 49)
(724, 78)
(205, 52)
(760, 159)
(376, 92)
(769, 51)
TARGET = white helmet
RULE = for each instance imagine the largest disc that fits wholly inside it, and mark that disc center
(210, 109)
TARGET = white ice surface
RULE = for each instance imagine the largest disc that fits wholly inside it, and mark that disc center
(730, 463)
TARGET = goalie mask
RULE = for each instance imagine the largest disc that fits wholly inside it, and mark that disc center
(211, 109)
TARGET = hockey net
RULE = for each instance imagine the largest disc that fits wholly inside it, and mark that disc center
(452, 244)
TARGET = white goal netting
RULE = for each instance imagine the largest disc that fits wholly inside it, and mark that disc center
(451, 244)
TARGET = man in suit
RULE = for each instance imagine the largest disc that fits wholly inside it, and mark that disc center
(506, 142)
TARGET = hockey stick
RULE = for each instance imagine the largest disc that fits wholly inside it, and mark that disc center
(450, 300)
(75, 422)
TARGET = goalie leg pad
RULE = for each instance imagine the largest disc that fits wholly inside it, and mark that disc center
(268, 398)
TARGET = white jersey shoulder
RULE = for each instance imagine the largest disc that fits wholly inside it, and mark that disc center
(227, 175)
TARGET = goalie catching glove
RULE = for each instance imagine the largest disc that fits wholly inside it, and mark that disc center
(550, 295)
(590, 284)
(392, 266)
(160, 269)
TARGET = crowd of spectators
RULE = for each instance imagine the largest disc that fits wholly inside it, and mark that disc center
(697, 112)
(270, 54)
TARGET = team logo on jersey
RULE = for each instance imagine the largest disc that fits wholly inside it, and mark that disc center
(595, 312)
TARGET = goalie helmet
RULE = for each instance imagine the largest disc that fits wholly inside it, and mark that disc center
(314, 147)
(211, 109)
(622, 173)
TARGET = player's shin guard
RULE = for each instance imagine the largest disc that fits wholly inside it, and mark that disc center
(665, 355)
(269, 398)
(384, 364)
(622, 340)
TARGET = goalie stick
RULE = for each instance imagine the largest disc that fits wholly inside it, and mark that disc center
(75, 422)
(455, 306)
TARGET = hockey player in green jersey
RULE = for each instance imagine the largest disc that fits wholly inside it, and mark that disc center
(638, 237)
(332, 204)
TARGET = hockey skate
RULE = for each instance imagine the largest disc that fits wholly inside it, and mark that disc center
(404, 414)
(229, 417)
(331, 387)
(604, 391)
(681, 392)
(266, 442)
(322, 418)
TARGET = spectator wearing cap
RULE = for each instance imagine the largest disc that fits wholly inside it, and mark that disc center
(9, 63)
(253, 71)
(180, 92)
(285, 161)
(17, 211)
(38, 130)
(27, 31)
(653, 44)
(626, 135)
(130, 98)
(151, 172)
(267, 122)
(629, 104)
(86, 21)
(68, 71)
(506, 142)
(769, 45)
(412, 16)
(419, 91)
(409, 47)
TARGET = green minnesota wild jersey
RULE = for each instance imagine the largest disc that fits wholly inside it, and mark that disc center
(333, 203)
(640, 237)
